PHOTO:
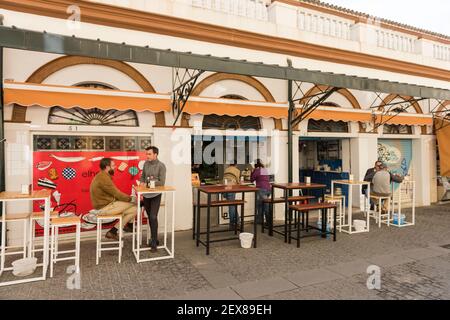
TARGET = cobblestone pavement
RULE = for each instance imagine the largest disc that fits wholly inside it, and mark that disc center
(413, 264)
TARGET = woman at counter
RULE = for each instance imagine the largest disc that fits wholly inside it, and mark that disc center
(261, 177)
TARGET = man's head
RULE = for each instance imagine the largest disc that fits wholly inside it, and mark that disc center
(152, 153)
(378, 163)
(382, 166)
(107, 165)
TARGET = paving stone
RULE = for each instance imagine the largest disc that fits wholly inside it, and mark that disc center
(388, 260)
(255, 289)
(348, 269)
(307, 278)
(422, 253)
(216, 294)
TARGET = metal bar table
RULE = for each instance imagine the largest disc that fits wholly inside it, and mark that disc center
(348, 228)
(140, 191)
(287, 187)
(7, 196)
(218, 189)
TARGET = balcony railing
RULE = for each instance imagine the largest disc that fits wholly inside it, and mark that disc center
(253, 9)
(394, 41)
(324, 25)
(441, 52)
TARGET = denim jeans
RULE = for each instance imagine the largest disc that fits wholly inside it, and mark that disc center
(262, 208)
(231, 209)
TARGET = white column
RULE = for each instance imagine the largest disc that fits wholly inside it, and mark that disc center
(175, 152)
(283, 14)
(424, 168)
(364, 153)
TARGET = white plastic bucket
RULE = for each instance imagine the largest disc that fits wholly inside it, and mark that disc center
(24, 267)
(359, 225)
(246, 239)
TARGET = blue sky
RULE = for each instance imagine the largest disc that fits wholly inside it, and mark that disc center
(433, 15)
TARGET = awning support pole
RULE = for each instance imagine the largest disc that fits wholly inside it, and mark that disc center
(290, 129)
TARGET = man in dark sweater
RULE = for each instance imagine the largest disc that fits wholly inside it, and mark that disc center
(154, 170)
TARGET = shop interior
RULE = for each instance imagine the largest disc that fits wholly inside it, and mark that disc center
(324, 160)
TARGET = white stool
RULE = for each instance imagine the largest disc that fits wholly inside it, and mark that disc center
(54, 252)
(340, 201)
(34, 217)
(377, 214)
(118, 244)
(23, 217)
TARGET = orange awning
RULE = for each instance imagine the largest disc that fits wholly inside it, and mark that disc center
(26, 94)
(443, 138)
(339, 115)
(412, 120)
(84, 98)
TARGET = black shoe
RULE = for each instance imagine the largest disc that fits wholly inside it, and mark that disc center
(154, 245)
(128, 227)
(112, 235)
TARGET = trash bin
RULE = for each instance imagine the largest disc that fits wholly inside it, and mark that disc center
(24, 267)
(246, 239)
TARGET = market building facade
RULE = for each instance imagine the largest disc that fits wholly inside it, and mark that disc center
(59, 109)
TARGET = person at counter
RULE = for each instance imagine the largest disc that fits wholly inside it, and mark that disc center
(107, 199)
(370, 173)
(154, 170)
(232, 175)
(261, 178)
(382, 183)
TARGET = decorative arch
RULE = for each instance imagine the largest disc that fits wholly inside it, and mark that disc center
(58, 64)
(219, 76)
(216, 77)
(444, 105)
(39, 76)
(344, 92)
(389, 98)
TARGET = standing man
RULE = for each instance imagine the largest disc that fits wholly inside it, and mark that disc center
(107, 199)
(154, 170)
(232, 175)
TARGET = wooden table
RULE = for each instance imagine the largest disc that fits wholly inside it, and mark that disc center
(287, 189)
(140, 191)
(8, 196)
(348, 228)
(217, 189)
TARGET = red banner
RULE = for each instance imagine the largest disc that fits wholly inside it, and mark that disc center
(68, 175)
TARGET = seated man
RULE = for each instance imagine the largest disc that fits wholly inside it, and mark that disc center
(382, 183)
(107, 199)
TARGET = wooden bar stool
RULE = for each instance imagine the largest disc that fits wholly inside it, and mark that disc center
(34, 218)
(119, 244)
(57, 223)
(272, 202)
(24, 218)
(377, 213)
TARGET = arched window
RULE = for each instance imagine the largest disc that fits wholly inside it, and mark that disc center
(327, 126)
(224, 122)
(397, 128)
(214, 121)
(94, 116)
